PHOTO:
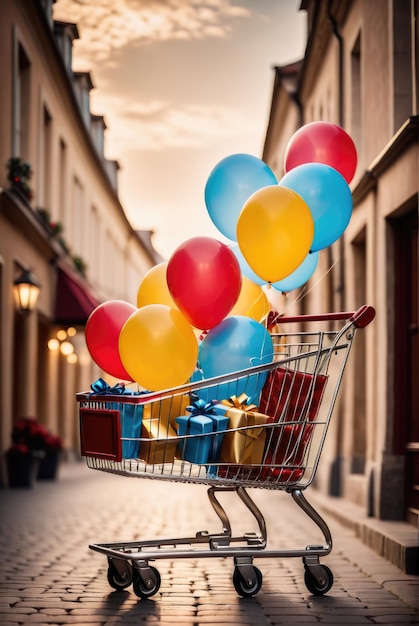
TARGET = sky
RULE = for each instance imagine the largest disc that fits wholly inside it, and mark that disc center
(181, 84)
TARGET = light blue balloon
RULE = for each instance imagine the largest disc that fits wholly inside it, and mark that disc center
(232, 181)
(223, 391)
(237, 343)
(300, 276)
(327, 195)
(246, 270)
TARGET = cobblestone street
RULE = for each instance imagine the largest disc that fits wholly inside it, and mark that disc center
(49, 575)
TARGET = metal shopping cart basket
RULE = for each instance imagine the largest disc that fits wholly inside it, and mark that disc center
(262, 427)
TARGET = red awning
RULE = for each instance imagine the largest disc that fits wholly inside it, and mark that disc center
(74, 302)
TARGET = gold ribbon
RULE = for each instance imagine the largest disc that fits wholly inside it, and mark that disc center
(244, 446)
(239, 403)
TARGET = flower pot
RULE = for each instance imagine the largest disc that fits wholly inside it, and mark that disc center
(22, 470)
(48, 466)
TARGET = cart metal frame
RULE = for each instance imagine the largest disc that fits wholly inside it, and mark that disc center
(129, 562)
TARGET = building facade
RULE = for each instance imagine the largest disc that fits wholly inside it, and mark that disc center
(60, 218)
(360, 71)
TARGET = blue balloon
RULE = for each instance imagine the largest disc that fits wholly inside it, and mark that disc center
(327, 195)
(300, 275)
(232, 181)
(246, 270)
(237, 343)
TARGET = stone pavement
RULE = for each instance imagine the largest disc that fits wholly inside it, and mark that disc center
(50, 577)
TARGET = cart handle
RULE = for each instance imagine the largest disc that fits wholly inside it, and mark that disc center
(360, 318)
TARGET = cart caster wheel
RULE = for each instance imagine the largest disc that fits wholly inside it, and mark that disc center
(316, 587)
(118, 580)
(247, 587)
(146, 589)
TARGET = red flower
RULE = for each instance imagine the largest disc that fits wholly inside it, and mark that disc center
(18, 449)
(31, 437)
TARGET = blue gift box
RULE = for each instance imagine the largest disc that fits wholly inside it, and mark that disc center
(206, 428)
(131, 416)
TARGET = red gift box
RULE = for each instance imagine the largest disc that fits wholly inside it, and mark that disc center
(287, 397)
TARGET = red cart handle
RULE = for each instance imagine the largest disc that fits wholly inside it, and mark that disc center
(360, 318)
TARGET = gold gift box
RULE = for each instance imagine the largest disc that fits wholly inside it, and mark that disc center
(159, 429)
(167, 409)
(158, 441)
(245, 447)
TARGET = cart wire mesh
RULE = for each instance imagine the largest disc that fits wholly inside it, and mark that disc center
(276, 416)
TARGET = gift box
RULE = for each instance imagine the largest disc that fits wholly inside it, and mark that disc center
(165, 411)
(288, 397)
(244, 441)
(168, 409)
(285, 475)
(203, 433)
(158, 440)
(130, 415)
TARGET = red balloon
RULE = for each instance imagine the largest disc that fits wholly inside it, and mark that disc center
(322, 142)
(204, 279)
(102, 333)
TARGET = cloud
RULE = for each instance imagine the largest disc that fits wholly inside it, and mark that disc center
(106, 25)
(159, 125)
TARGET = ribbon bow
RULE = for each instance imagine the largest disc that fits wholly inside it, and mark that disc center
(240, 403)
(101, 387)
(200, 407)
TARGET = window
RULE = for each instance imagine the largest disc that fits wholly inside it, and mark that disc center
(21, 103)
(47, 8)
(114, 267)
(83, 84)
(65, 33)
(45, 161)
(77, 229)
(67, 50)
(359, 357)
(62, 182)
(356, 107)
(94, 241)
(402, 62)
(97, 130)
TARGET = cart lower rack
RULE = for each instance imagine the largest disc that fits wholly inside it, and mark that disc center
(263, 427)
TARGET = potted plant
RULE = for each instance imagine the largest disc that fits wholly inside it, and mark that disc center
(19, 174)
(80, 264)
(31, 445)
(55, 228)
(49, 463)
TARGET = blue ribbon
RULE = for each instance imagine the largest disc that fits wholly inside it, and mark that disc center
(101, 387)
(200, 407)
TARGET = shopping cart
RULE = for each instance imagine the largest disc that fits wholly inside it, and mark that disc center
(262, 427)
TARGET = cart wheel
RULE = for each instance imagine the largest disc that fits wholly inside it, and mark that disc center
(249, 587)
(117, 580)
(316, 587)
(146, 589)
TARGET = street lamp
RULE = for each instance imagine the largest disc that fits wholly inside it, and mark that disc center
(26, 289)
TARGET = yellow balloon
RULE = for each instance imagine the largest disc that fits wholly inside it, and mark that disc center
(158, 347)
(275, 230)
(251, 302)
(153, 288)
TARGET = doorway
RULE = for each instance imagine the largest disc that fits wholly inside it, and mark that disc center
(406, 417)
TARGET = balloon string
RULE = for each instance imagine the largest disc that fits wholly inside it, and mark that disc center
(270, 322)
(303, 293)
